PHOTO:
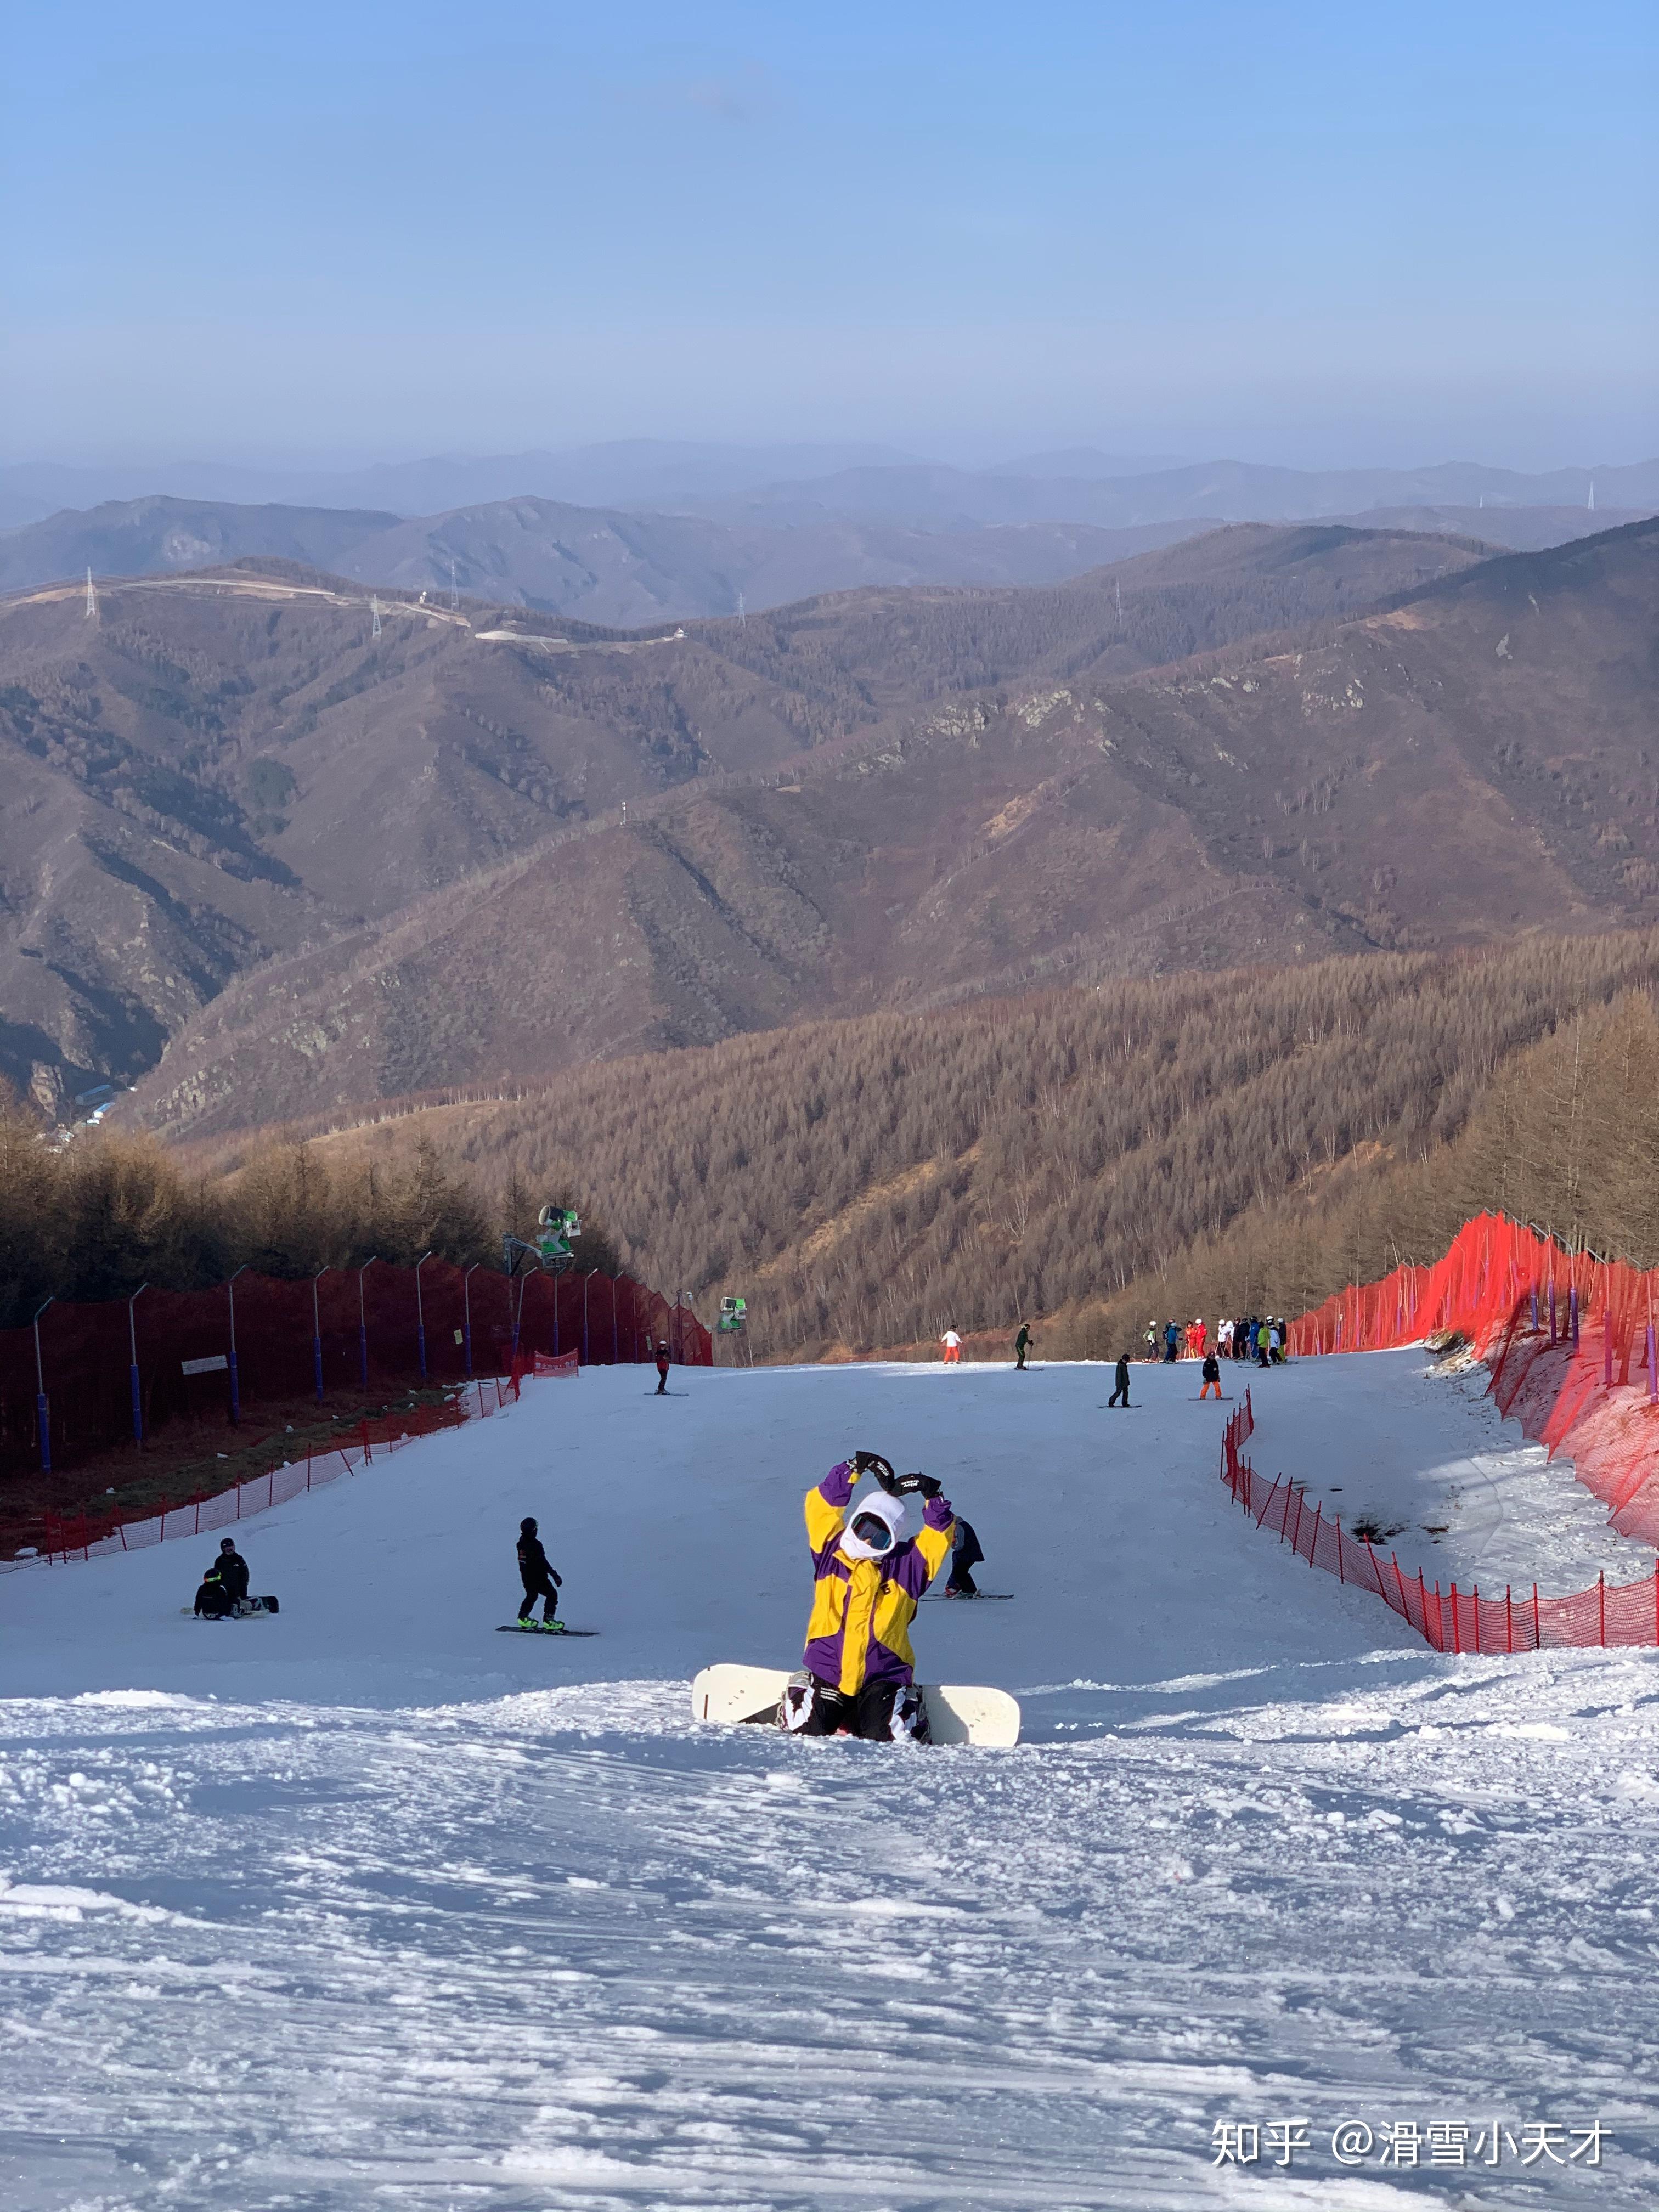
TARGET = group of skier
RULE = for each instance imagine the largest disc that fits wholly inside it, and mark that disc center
(1255, 1336)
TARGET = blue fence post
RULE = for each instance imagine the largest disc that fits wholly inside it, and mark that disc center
(420, 1313)
(1572, 1313)
(362, 1322)
(236, 1391)
(317, 1335)
(132, 1371)
(42, 1408)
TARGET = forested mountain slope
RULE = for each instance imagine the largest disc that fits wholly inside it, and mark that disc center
(1472, 761)
(218, 770)
(872, 1181)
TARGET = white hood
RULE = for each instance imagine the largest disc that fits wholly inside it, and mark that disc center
(893, 1510)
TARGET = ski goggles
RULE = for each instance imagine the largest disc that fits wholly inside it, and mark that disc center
(870, 1528)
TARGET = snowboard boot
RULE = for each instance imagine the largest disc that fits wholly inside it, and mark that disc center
(909, 1718)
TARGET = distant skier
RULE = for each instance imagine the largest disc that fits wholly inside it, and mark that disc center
(858, 1670)
(1171, 1343)
(1263, 1341)
(952, 1344)
(1276, 1343)
(536, 1572)
(1022, 1346)
(1151, 1340)
(1212, 1376)
(1120, 1383)
(662, 1370)
(224, 1586)
(966, 1553)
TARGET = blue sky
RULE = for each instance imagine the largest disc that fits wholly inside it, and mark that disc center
(1300, 233)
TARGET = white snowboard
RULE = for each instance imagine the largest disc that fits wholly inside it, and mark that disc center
(956, 1713)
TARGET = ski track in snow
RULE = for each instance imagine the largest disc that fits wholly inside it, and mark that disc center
(270, 1939)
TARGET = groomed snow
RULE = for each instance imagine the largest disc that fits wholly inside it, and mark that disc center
(368, 1905)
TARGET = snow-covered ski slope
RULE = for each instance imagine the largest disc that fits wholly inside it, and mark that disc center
(368, 1905)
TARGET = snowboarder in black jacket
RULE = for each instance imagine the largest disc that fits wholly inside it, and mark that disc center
(536, 1572)
(965, 1555)
(1120, 1380)
(232, 1569)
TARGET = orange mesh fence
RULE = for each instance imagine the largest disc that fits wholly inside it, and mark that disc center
(1569, 1340)
(93, 1535)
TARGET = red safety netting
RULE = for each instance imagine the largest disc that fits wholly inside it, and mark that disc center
(1569, 1338)
(89, 1536)
(1565, 1332)
(124, 1370)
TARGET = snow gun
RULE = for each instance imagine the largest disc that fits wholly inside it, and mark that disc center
(733, 1312)
(557, 1226)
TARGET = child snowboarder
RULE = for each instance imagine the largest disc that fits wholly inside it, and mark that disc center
(1212, 1376)
(966, 1553)
(662, 1370)
(1022, 1346)
(857, 1675)
(224, 1586)
(1121, 1384)
(536, 1572)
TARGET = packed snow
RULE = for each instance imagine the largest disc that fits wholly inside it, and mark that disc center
(365, 1904)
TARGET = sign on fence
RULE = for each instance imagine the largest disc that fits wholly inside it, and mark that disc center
(217, 1365)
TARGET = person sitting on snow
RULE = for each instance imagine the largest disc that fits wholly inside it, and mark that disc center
(857, 1675)
(221, 1590)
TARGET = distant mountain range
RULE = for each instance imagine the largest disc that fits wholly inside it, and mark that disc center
(1077, 484)
(265, 863)
(605, 566)
(623, 568)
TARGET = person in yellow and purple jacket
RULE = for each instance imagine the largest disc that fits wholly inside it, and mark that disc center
(868, 1572)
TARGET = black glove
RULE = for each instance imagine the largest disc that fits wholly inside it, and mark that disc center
(913, 1485)
(868, 1462)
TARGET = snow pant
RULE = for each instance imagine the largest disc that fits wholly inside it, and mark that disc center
(1119, 1396)
(880, 1713)
(1019, 1360)
(1261, 1358)
(1208, 1386)
(662, 1382)
(541, 1588)
(962, 1583)
(953, 1355)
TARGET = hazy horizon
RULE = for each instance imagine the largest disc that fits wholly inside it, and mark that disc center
(1281, 234)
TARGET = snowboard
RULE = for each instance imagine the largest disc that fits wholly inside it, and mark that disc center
(245, 1610)
(536, 1628)
(995, 1598)
(956, 1713)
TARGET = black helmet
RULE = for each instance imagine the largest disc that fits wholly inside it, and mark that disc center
(227, 1543)
(526, 1527)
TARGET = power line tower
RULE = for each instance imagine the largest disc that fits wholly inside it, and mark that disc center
(455, 591)
(742, 623)
(91, 599)
(375, 612)
(1592, 495)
